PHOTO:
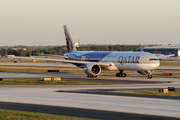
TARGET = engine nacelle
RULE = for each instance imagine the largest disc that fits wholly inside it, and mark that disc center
(92, 69)
(143, 72)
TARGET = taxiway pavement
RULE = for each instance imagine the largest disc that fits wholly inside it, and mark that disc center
(47, 95)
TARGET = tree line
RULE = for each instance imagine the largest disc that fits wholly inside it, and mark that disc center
(60, 50)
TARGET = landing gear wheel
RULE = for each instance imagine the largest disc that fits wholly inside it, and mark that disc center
(123, 74)
(117, 75)
(120, 74)
(91, 76)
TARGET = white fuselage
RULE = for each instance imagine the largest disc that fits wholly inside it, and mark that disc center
(138, 61)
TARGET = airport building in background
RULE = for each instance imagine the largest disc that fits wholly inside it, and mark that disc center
(163, 49)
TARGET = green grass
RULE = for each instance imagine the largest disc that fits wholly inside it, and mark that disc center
(150, 92)
(169, 64)
(40, 70)
(10, 61)
(40, 81)
(30, 70)
(20, 115)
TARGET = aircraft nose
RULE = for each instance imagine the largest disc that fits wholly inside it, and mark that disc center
(157, 65)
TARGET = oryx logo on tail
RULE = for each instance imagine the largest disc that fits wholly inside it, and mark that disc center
(141, 49)
(69, 42)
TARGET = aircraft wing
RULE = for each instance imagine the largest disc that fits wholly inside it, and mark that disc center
(60, 56)
(102, 64)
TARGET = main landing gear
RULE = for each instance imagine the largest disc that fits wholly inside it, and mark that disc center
(91, 76)
(121, 74)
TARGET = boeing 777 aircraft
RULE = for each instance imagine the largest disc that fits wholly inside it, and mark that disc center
(94, 61)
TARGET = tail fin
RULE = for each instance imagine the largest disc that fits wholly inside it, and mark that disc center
(141, 49)
(69, 42)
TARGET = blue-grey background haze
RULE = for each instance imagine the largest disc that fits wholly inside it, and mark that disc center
(40, 22)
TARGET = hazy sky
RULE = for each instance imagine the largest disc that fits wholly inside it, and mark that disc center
(40, 22)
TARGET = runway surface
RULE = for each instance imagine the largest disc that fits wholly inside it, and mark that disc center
(77, 112)
(46, 95)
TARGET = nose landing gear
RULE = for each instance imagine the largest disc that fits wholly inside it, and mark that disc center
(149, 74)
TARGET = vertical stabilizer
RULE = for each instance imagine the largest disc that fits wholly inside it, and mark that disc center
(141, 49)
(69, 42)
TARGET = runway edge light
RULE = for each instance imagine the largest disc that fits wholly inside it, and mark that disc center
(52, 79)
(58, 79)
(47, 79)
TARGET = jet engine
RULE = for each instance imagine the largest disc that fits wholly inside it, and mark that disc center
(92, 69)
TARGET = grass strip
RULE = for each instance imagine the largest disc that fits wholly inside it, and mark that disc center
(150, 92)
(21, 115)
(40, 81)
(40, 69)
(169, 64)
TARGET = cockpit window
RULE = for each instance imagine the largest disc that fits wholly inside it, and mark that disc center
(153, 59)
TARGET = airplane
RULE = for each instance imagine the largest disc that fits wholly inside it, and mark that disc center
(159, 56)
(94, 61)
